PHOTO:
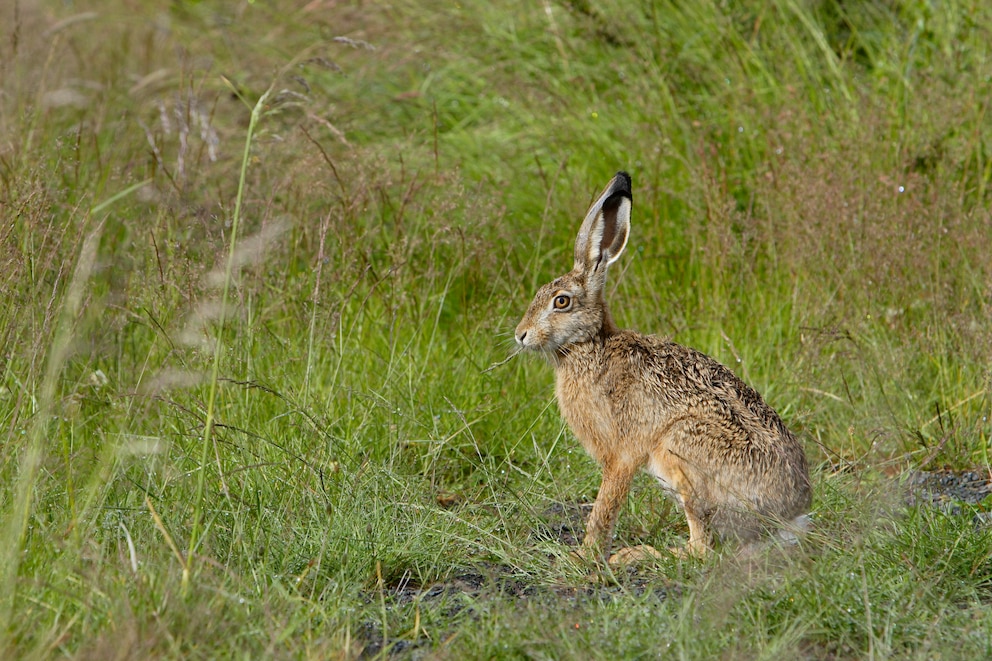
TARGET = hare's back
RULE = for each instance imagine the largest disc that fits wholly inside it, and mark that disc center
(686, 382)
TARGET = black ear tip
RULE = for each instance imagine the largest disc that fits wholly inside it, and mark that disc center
(623, 184)
(619, 188)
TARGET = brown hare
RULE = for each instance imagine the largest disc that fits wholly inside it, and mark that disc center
(638, 401)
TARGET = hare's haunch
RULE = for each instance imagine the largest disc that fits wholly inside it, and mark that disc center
(638, 401)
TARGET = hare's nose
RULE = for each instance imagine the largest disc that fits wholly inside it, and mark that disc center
(521, 337)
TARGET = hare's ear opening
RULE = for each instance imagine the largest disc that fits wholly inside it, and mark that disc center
(616, 228)
(604, 232)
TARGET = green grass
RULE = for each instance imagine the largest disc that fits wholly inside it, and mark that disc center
(323, 467)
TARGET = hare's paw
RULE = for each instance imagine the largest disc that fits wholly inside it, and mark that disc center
(632, 555)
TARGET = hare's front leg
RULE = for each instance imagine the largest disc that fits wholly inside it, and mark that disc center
(612, 494)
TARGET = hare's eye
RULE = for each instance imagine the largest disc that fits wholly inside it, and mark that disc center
(562, 301)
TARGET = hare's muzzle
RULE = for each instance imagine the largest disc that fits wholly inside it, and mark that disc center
(531, 333)
(525, 336)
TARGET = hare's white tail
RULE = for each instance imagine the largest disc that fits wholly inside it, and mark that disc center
(799, 526)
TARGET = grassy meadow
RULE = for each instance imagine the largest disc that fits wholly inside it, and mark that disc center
(257, 258)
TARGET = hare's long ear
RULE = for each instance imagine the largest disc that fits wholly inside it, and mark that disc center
(603, 235)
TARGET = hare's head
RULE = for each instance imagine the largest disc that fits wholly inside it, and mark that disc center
(571, 309)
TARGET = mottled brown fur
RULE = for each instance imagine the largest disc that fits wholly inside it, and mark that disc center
(637, 401)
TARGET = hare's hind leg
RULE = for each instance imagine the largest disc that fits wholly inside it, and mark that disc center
(668, 468)
(698, 543)
(698, 536)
